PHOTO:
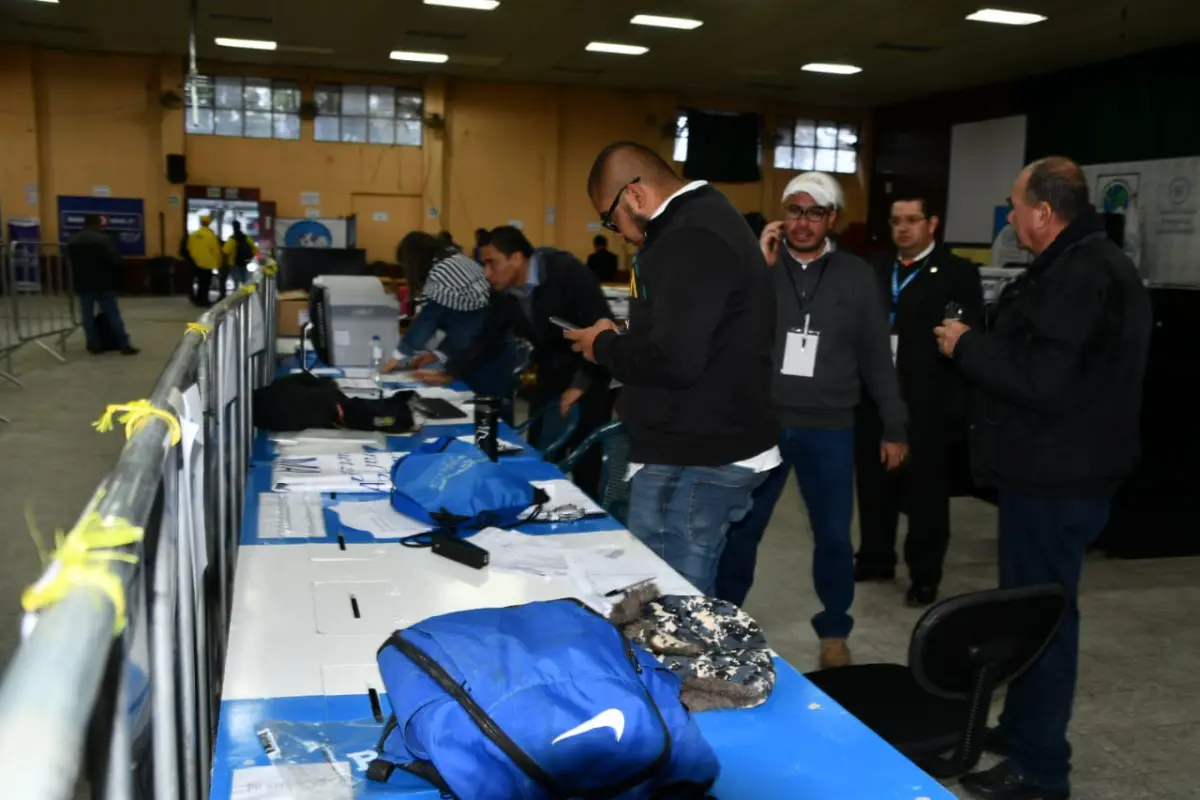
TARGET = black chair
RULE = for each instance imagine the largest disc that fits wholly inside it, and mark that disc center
(962, 650)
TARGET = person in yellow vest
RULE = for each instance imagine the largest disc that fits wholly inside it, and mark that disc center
(239, 250)
(205, 249)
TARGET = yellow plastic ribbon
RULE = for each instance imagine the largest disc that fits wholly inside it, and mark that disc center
(136, 414)
(270, 268)
(249, 288)
(81, 559)
(200, 328)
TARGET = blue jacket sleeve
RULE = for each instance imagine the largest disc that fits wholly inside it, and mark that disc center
(422, 328)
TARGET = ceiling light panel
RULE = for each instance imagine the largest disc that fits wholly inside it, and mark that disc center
(1002, 17)
(422, 58)
(474, 5)
(618, 49)
(833, 69)
(246, 44)
(678, 23)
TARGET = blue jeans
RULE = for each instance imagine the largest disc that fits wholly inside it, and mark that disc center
(824, 465)
(108, 306)
(682, 514)
(1043, 538)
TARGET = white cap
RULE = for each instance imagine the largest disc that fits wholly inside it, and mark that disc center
(821, 187)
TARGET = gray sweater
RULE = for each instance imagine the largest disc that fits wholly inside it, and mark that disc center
(854, 347)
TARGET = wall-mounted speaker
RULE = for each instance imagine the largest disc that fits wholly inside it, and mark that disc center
(176, 168)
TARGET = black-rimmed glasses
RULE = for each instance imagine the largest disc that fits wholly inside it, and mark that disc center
(606, 218)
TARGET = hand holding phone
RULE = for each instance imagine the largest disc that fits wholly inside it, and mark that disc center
(953, 311)
(562, 323)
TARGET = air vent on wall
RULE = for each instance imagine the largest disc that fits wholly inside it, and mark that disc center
(578, 70)
(442, 35)
(900, 47)
(217, 15)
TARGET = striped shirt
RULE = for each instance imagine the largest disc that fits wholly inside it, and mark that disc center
(458, 283)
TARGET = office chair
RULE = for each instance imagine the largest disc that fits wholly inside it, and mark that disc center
(614, 489)
(549, 431)
(961, 651)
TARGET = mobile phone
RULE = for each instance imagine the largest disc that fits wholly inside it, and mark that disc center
(953, 311)
(562, 323)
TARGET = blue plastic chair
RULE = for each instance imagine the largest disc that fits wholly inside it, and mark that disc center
(614, 489)
(554, 430)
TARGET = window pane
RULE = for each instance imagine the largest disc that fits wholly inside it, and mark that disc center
(382, 103)
(826, 160)
(409, 104)
(229, 93)
(327, 129)
(354, 129)
(847, 136)
(681, 147)
(354, 101)
(257, 125)
(228, 121)
(827, 134)
(783, 156)
(198, 121)
(408, 131)
(327, 99)
(784, 134)
(204, 92)
(382, 131)
(286, 96)
(287, 126)
(847, 161)
(802, 158)
(258, 94)
(805, 133)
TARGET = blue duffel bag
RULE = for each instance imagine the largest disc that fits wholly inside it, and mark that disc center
(545, 701)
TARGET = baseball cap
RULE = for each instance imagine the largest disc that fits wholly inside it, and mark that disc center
(821, 187)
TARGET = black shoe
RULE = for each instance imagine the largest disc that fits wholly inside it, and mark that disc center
(96, 351)
(995, 742)
(920, 595)
(129, 350)
(867, 572)
(1005, 782)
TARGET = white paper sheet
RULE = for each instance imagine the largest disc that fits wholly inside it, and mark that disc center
(370, 438)
(344, 472)
(291, 516)
(378, 518)
(320, 781)
(191, 421)
(258, 339)
(564, 493)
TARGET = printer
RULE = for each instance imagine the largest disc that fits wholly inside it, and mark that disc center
(347, 311)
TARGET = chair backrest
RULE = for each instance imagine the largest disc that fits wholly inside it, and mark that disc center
(548, 430)
(1003, 629)
(614, 489)
(524, 357)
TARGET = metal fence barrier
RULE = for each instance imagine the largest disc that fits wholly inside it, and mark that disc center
(36, 302)
(118, 673)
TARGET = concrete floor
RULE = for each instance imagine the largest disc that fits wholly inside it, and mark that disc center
(1137, 723)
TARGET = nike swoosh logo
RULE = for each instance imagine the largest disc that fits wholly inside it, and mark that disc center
(609, 718)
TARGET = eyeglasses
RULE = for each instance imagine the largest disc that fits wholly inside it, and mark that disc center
(606, 218)
(811, 213)
(896, 222)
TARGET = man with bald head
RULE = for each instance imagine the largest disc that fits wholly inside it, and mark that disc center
(1058, 385)
(695, 362)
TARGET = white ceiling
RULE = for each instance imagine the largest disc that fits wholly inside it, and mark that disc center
(744, 46)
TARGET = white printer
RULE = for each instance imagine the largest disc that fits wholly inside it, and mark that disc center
(346, 312)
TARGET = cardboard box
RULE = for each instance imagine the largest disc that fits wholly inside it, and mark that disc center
(291, 312)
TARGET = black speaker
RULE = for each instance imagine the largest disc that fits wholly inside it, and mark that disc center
(176, 168)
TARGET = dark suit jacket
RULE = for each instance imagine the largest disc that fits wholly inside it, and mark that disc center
(932, 387)
(603, 264)
(95, 262)
(568, 290)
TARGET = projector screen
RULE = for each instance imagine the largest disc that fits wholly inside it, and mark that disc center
(985, 158)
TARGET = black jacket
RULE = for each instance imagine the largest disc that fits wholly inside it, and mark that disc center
(603, 264)
(696, 362)
(568, 290)
(1058, 379)
(95, 262)
(934, 391)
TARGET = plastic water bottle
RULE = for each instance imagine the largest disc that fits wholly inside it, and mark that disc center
(377, 362)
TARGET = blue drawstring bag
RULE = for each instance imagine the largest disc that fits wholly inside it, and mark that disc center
(460, 488)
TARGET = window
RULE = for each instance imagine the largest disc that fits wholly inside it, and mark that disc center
(257, 108)
(368, 114)
(806, 144)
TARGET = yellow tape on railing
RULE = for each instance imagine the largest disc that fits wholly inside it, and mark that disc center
(136, 414)
(249, 288)
(270, 268)
(82, 558)
(200, 328)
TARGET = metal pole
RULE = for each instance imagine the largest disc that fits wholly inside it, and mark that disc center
(220, 433)
(165, 728)
(119, 783)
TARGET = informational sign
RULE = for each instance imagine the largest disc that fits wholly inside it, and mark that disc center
(122, 216)
(1161, 203)
(321, 232)
(310, 198)
(379, 216)
(24, 233)
(101, 191)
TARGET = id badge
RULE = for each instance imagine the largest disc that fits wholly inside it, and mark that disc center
(895, 347)
(800, 353)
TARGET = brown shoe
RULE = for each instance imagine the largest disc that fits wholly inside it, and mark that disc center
(834, 653)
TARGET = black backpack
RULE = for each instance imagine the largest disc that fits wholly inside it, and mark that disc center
(301, 401)
(244, 252)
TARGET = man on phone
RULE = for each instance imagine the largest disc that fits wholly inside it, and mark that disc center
(539, 284)
(831, 337)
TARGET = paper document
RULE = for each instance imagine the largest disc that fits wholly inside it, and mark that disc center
(378, 518)
(291, 516)
(319, 781)
(324, 372)
(344, 472)
(371, 438)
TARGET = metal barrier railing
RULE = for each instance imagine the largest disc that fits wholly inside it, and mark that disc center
(36, 302)
(135, 712)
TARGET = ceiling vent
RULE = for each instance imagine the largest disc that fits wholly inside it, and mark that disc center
(902, 47)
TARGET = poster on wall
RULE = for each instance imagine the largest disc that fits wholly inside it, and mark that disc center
(123, 216)
(1161, 203)
(24, 234)
(316, 232)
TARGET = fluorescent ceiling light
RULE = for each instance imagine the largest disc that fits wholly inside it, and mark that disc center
(245, 44)
(47, 1)
(475, 5)
(679, 23)
(424, 58)
(1002, 17)
(619, 49)
(833, 69)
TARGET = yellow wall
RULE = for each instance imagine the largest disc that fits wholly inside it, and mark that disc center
(70, 122)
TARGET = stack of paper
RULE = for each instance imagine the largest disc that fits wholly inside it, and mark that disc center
(290, 516)
(327, 442)
(344, 472)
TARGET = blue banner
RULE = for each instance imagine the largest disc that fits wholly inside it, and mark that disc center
(123, 217)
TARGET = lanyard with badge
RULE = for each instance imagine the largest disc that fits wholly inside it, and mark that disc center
(899, 286)
(800, 347)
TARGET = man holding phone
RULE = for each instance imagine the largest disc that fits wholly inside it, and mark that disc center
(539, 286)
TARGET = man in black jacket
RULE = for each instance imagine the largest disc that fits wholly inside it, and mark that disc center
(96, 275)
(1055, 427)
(919, 280)
(537, 285)
(696, 362)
